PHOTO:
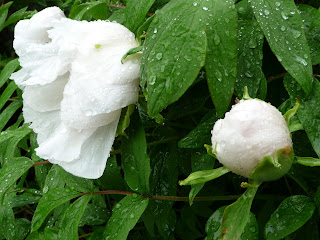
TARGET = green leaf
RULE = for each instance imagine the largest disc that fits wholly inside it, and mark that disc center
(308, 161)
(11, 172)
(18, 15)
(213, 226)
(94, 215)
(18, 133)
(163, 182)
(317, 199)
(204, 176)
(124, 217)
(309, 111)
(200, 161)
(174, 52)
(236, 215)
(311, 21)
(79, 12)
(135, 160)
(100, 11)
(71, 218)
(118, 16)
(4, 13)
(50, 200)
(125, 119)
(221, 60)
(292, 213)
(201, 134)
(250, 43)
(282, 25)
(8, 70)
(7, 113)
(6, 94)
(135, 12)
(130, 52)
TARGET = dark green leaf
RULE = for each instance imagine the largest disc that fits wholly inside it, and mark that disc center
(251, 231)
(124, 217)
(309, 111)
(283, 28)
(250, 43)
(11, 172)
(200, 161)
(18, 15)
(311, 21)
(8, 70)
(25, 199)
(70, 221)
(236, 215)
(8, 112)
(135, 160)
(221, 60)
(79, 12)
(174, 52)
(100, 11)
(50, 200)
(130, 52)
(201, 134)
(118, 16)
(135, 12)
(292, 213)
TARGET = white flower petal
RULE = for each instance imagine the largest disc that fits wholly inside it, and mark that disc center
(64, 144)
(94, 153)
(43, 98)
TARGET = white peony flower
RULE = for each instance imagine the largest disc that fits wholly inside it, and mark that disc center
(251, 131)
(74, 86)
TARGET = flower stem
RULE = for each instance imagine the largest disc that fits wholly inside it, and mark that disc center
(185, 199)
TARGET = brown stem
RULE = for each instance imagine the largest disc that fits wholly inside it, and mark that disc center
(40, 163)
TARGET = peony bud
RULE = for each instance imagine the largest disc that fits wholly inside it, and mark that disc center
(253, 140)
(74, 86)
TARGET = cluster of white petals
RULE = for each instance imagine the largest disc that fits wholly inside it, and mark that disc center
(252, 130)
(74, 86)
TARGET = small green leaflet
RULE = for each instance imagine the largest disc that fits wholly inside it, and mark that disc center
(309, 111)
(292, 213)
(79, 12)
(282, 25)
(221, 59)
(4, 13)
(11, 172)
(135, 160)
(50, 200)
(204, 176)
(17, 133)
(236, 215)
(174, 52)
(308, 161)
(135, 12)
(124, 217)
(71, 218)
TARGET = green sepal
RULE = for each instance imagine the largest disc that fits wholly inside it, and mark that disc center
(273, 168)
(210, 150)
(204, 176)
(246, 95)
(130, 52)
(291, 112)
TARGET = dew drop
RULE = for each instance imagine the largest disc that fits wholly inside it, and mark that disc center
(205, 8)
(159, 56)
(266, 12)
(284, 16)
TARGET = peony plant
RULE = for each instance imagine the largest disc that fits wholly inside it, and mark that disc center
(74, 86)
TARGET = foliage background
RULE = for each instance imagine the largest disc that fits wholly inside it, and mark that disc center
(193, 69)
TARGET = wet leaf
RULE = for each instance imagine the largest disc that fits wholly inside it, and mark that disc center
(221, 60)
(282, 26)
(135, 160)
(292, 213)
(124, 217)
(174, 52)
(71, 218)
